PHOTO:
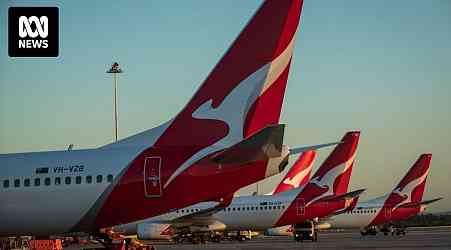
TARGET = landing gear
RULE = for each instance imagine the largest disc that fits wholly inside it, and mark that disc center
(398, 231)
(368, 231)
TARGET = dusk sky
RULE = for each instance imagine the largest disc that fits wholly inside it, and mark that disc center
(381, 67)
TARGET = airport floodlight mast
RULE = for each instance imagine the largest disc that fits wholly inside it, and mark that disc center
(115, 69)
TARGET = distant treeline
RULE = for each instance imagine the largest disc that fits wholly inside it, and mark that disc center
(427, 220)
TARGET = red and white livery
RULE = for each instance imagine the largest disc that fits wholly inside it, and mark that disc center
(405, 201)
(226, 137)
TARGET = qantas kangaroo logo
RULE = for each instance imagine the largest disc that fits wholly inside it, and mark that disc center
(406, 191)
(295, 180)
(326, 181)
(234, 108)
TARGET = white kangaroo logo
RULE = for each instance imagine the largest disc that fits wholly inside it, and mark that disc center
(328, 179)
(406, 191)
(234, 108)
(296, 180)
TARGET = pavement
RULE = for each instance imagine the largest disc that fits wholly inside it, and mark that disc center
(421, 238)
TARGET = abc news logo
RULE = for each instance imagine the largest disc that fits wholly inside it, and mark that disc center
(33, 32)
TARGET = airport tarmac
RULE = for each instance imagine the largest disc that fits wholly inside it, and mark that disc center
(424, 238)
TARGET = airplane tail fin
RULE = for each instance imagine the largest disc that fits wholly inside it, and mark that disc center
(244, 92)
(299, 173)
(413, 183)
(337, 168)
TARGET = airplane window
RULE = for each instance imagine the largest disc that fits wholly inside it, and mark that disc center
(78, 180)
(183, 211)
(37, 182)
(47, 181)
(88, 179)
(233, 209)
(252, 208)
(16, 183)
(283, 207)
(6, 183)
(67, 180)
(109, 178)
(26, 182)
(248, 208)
(99, 178)
(261, 208)
(238, 209)
(57, 180)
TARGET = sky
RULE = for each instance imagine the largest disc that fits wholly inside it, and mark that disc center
(381, 67)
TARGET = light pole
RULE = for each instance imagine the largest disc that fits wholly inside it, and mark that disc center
(115, 69)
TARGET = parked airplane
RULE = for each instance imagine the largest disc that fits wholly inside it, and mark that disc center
(402, 203)
(226, 137)
(321, 196)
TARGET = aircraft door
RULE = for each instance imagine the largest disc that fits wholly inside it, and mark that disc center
(388, 213)
(152, 177)
(300, 204)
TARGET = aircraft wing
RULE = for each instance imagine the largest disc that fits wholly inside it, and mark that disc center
(350, 198)
(347, 196)
(298, 150)
(264, 144)
(204, 216)
(416, 204)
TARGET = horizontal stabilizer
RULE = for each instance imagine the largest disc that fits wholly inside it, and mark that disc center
(346, 196)
(416, 204)
(265, 144)
(299, 150)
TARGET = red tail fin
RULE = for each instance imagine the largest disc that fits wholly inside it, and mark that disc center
(343, 154)
(244, 91)
(413, 183)
(299, 173)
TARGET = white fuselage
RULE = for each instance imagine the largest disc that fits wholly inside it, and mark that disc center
(244, 213)
(359, 217)
(54, 205)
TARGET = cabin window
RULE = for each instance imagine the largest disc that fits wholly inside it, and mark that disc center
(6, 183)
(78, 180)
(16, 183)
(26, 182)
(67, 180)
(89, 179)
(233, 209)
(57, 181)
(109, 178)
(37, 182)
(99, 178)
(47, 181)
